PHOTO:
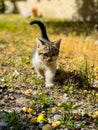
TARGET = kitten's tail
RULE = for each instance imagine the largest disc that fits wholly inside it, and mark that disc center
(42, 27)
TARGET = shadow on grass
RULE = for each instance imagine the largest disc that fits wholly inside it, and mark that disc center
(67, 27)
(74, 78)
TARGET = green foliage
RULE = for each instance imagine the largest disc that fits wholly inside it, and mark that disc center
(12, 119)
(68, 115)
(86, 74)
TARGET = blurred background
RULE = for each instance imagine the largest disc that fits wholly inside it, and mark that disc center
(74, 10)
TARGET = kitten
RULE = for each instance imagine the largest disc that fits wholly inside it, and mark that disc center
(45, 55)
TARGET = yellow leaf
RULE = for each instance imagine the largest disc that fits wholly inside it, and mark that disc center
(96, 94)
(85, 91)
(24, 109)
(77, 117)
(33, 120)
(56, 124)
(28, 92)
(54, 109)
(59, 104)
(95, 116)
(30, 110)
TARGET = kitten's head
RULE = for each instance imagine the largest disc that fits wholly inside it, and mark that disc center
(48, 51)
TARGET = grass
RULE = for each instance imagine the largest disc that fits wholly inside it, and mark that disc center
(24, 96)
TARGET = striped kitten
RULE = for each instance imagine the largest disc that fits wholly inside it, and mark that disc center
(45, 55)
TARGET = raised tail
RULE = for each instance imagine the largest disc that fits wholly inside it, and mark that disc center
(42, 28)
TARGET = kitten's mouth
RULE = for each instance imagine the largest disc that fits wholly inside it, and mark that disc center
(48, 60)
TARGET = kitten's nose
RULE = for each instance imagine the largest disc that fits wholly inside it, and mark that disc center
(49, 59)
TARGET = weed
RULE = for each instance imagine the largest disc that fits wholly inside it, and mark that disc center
(86, 75)
(37, 82)
(12, 118)
(67, 119)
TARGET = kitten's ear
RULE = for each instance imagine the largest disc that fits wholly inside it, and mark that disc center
(57, 43)
(39, 42)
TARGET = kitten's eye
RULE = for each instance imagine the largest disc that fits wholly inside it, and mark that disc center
(46, 55)
(54, 54)
(40, 53)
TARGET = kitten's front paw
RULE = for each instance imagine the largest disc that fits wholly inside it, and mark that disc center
(49, 85)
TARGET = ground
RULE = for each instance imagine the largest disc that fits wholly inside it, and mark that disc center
(25, 103)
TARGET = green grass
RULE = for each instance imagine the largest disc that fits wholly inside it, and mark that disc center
(77, 70)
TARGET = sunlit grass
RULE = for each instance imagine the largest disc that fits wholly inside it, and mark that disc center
(77, 69)
(18, 37)
(80, 47)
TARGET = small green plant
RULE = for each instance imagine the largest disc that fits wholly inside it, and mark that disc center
(56, 89)
(37, 82)
(92, 97)
(85, 75)
(68, 115)
(12, 119)
(43, 99)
